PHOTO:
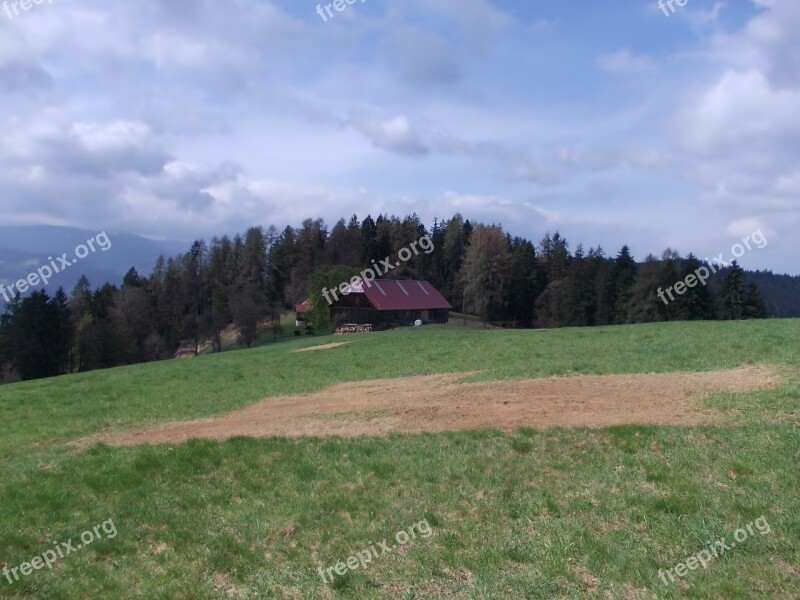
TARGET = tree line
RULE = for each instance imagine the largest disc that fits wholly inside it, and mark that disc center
(249, 280)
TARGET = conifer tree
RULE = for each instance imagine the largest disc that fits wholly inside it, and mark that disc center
(732, 301)
(754, 307)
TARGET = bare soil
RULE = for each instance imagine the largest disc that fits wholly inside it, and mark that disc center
(439, 403)
(324, 347)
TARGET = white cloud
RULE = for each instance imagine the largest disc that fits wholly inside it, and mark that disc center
(189, 118)
(769, 43)
(742, 113)
(626, 62)
(749, 225)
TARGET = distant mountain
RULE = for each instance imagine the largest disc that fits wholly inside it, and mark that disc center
(25, 249)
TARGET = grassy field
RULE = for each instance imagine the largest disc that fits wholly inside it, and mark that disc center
(561, 513)
(266, 336)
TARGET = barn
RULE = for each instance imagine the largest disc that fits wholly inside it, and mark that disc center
(388, 302)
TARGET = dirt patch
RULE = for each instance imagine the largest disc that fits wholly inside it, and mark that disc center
(324, 347)
(439, 403)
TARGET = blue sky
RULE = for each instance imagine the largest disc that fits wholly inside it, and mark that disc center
(609, 122)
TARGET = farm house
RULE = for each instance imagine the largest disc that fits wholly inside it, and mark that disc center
(387, 302)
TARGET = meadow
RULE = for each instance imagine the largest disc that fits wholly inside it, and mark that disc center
(552, 513)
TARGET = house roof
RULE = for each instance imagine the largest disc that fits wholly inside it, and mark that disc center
(393, 294)
(301, 308)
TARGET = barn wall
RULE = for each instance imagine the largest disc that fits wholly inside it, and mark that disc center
(354, 308)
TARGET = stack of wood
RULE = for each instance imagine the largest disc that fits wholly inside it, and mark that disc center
(186, 348)
(353, 328)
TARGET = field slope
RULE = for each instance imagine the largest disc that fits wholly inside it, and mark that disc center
(523, 512)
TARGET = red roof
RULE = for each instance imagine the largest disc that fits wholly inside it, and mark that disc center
(301, 308)
(393, 294)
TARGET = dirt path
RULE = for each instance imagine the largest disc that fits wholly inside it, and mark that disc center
(439, 403)
(324, 347)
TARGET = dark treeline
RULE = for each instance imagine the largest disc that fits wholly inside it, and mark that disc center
(250, 280)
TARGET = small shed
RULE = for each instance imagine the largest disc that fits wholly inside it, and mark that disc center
(300, 309)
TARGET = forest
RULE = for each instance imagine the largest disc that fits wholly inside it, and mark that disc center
(250, 280)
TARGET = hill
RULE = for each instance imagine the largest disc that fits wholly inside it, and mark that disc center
(524, 512)
(781, 293)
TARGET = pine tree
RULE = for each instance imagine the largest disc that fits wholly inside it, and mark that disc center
(754, 307)
(523, 285)
(452, 252)
(336, 249)
(579, 293)
(352, 255)
(604, 287)
(644, 301)
(281, 261)
(61, 332)
(383, 238)
(368, 248)
(623, 277)
(697, 300)
(555, 256)
(732, 295)
(468, 229)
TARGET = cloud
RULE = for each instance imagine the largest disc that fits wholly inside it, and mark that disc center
(398, 136)
(705, 18)
(625, 62)
(24, 77)
(187, 118)
(479, 21)
(393, 135)
(740, 136)
(102, 149)
(736, 137)
(428, 59)
(749, 225)
(769, 43)
(743, 112)
(524, 169)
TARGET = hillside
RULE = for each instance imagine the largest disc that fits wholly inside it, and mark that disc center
(525, 512)
(250, 280)
(781, 293)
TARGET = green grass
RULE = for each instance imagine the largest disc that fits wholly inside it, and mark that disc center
(469, 321)
(561, 513)
(265, 335)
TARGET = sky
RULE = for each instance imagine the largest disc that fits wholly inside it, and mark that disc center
(611, 122)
